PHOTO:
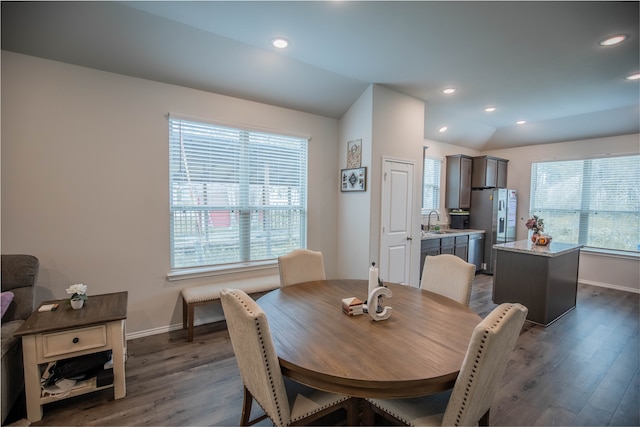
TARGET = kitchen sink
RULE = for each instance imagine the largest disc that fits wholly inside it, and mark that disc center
(439, 232)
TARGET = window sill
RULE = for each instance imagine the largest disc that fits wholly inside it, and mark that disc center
(610, 253)
(193, 273)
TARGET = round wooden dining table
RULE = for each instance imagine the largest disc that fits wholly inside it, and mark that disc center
(417, 351)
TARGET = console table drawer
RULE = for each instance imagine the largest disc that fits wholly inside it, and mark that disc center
(65, 342)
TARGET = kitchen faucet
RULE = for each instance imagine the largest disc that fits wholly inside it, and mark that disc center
(429, 219)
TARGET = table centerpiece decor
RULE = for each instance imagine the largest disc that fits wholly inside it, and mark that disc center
(78, 294)
(536, 225)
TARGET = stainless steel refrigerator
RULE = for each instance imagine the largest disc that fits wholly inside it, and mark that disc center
(493, 210)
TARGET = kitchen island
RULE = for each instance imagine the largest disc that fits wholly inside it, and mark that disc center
(543, 278)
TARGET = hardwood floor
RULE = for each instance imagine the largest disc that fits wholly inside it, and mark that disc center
(581, 370)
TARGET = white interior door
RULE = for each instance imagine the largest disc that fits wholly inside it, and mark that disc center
(397, 207)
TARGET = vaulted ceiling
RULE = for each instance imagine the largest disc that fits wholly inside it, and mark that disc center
(534, 61)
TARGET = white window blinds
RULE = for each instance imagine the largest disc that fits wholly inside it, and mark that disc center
(431, 184)
(236, 195)
(594, 202)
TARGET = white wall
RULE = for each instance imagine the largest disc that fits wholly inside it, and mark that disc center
(85, 180)
(610, 270)
(391, 125)
(398, 129)
(353, 239)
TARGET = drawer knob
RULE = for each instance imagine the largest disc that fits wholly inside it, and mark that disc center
(76, 340)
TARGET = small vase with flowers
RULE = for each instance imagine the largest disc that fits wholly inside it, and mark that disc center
(536, 225)
(78, 294)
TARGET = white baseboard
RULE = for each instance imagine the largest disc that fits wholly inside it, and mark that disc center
(154, 331)
(163, 329)
(610, 286)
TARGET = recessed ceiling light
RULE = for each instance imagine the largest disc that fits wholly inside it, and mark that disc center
(613, 40)
(490, 109)
(635, 76)
(443, 129)
(521, 122)
(449, 90)
(280, 43)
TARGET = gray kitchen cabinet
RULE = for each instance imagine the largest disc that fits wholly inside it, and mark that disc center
(502, 174)
(447, 245)
(429, 247)
(489, 172)
(461, 248)
(454, 245)
(458, 186)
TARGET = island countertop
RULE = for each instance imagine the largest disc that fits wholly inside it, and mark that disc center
(526, 246)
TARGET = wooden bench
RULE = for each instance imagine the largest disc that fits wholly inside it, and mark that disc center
(198, 295)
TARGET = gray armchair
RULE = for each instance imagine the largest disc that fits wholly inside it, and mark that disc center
(19, 275)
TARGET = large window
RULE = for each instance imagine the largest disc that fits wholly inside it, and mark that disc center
(431, 184)
(593, 202)
(236, 195)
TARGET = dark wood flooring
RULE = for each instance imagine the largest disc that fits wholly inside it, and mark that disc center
(581, 370)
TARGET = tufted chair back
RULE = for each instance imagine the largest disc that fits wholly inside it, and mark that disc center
(299, 266)
(449, 276)
(491, 345)
(255, 353)
(468, 404)
(283, 400)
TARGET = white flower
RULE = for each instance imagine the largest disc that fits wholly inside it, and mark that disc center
(77, 291)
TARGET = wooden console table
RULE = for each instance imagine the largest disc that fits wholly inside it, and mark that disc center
(543, 278)
(55, 335)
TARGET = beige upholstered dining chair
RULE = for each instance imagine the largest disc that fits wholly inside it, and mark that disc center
(299, 266)
(293, 404)
(468, 404)
(449, 276)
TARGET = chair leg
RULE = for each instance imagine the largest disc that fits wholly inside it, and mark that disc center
(352, 406)
(246, 407)
(246, 410)
(368, 415)
(484, 420)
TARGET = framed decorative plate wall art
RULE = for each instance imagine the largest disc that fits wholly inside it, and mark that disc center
(354, 179)
(354, 153)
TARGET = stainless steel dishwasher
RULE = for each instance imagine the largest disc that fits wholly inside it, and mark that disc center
(476, 251)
